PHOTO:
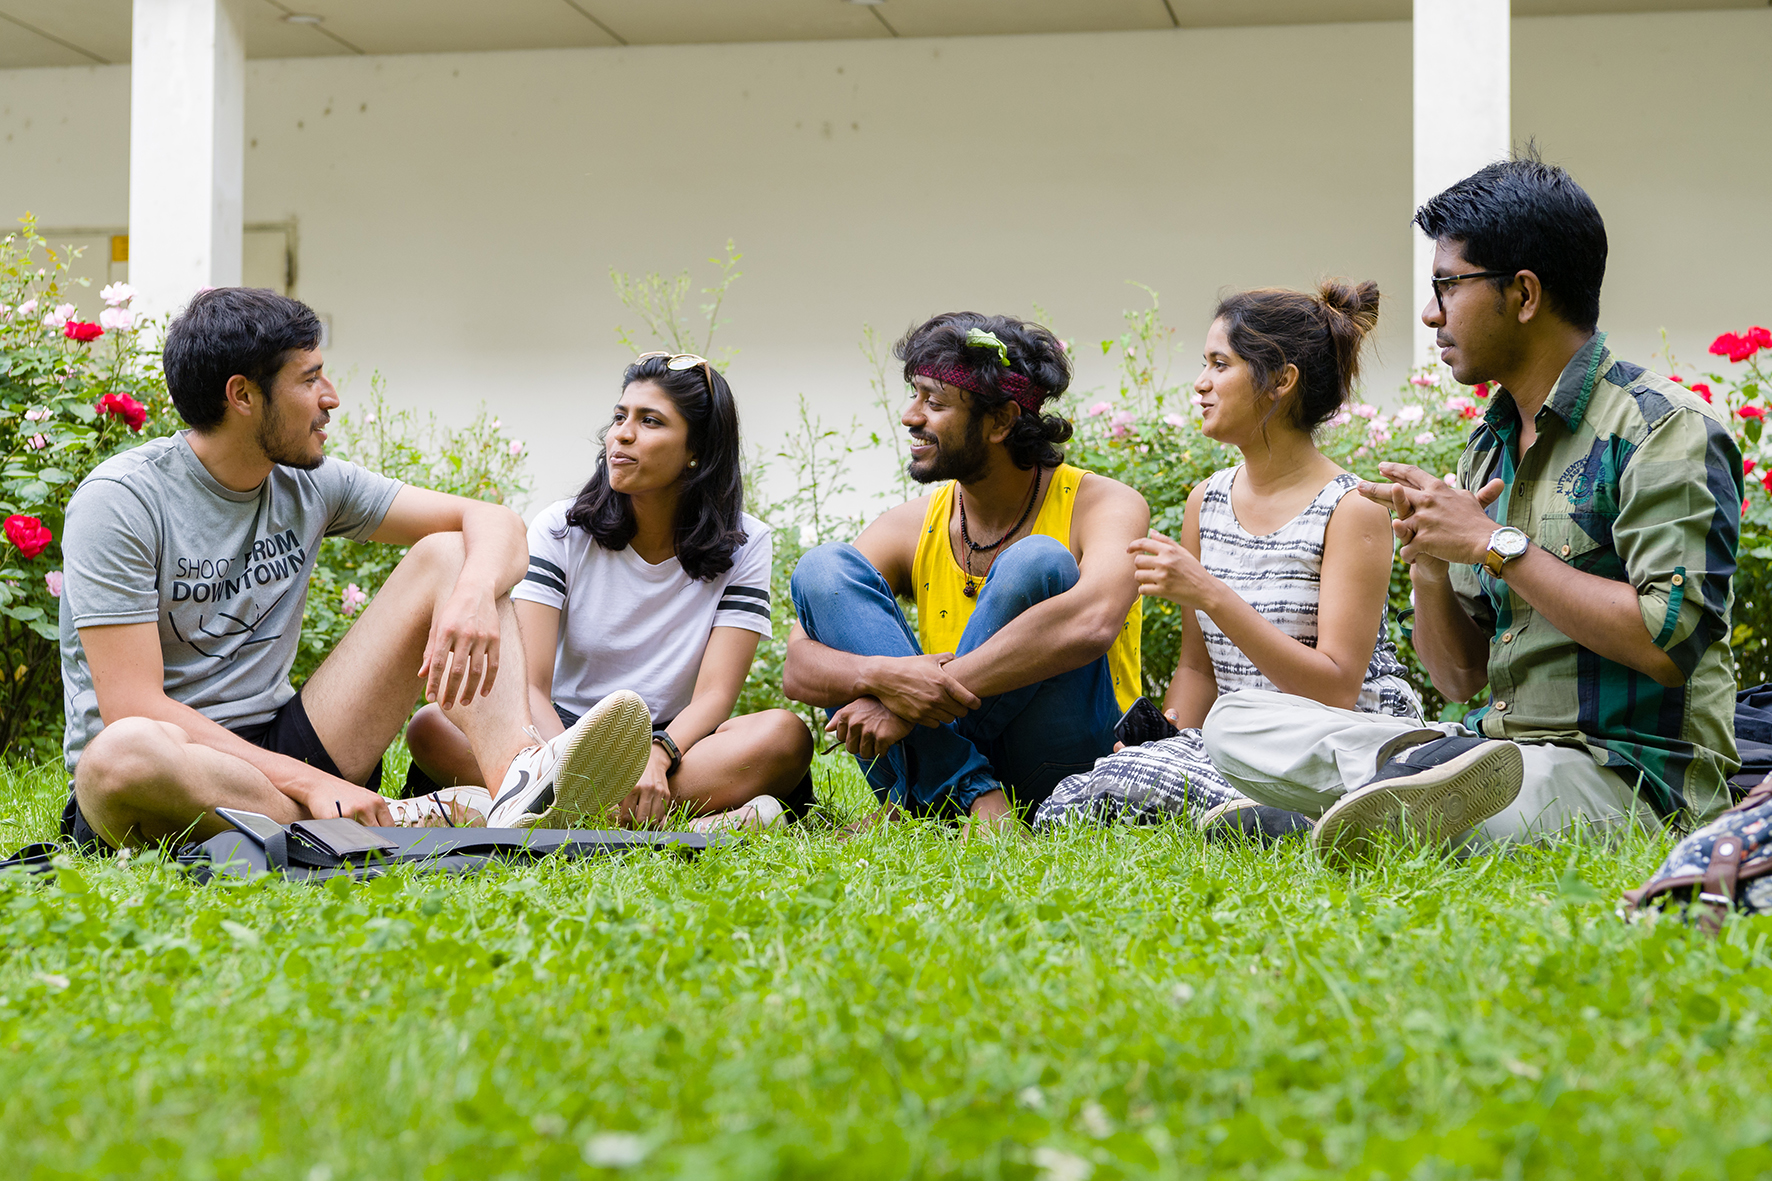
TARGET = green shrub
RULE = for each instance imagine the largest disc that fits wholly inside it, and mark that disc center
(72, 394)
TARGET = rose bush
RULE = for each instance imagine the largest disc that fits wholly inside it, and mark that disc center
(72, 394)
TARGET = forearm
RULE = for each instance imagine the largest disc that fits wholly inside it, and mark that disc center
(701, 717)
(1450, 646)
(1049, 638)
(1293, 667)
(822, 676)
(1191, 694)
(495, 549)
(1600, 614)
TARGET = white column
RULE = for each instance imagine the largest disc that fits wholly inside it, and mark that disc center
(1462, 96)
(186, 149)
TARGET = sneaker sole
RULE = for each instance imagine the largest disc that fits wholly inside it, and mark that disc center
(601, 759)
(1434, 805)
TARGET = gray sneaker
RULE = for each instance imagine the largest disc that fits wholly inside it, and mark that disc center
(1433, 793)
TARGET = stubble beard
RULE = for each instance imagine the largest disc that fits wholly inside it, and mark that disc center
(273, 440)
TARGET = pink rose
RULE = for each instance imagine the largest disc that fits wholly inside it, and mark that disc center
(352, 600)
(1099, 409)
(116, 319)
(516, 448)
(1175, 420)
(53, 580)
(1364, 410)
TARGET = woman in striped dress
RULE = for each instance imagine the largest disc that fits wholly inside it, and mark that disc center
(1284, 574)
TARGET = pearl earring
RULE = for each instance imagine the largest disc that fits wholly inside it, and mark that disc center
(693, 462)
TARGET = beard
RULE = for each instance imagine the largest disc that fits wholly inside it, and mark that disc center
(965, 463)
(276, 441)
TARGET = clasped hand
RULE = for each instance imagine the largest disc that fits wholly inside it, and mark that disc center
(1435, 520)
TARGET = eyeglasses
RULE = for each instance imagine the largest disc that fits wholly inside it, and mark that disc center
(678, 362)
(1440, 284)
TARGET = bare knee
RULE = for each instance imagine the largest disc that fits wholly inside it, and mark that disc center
(784, 736)
(125, 757)
(430, 734)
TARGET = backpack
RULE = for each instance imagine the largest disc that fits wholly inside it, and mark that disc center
(1724, 866)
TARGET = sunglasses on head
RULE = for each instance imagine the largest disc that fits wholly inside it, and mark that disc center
(678, 362)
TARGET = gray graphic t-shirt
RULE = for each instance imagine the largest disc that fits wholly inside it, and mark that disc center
(152, 537)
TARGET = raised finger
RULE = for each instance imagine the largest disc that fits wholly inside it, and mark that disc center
(1408, 475)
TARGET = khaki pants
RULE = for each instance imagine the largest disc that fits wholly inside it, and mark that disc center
(1298, 754)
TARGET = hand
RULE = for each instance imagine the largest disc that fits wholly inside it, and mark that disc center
(650, 801)
(329, 796)
(1171, 572)
(461, 654)
(1435, 520)
(919, 689)
(868, 729)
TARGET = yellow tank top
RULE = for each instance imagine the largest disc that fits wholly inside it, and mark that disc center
(943, 608)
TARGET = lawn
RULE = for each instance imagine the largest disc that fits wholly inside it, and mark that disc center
(1108, 1002)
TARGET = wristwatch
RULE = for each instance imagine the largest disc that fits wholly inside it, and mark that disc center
(1505, 544)
(664, 739)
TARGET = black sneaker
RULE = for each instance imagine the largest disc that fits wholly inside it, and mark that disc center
(1435, 792)
(1246, 820)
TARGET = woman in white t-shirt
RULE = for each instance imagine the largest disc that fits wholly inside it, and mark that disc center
(654, 579)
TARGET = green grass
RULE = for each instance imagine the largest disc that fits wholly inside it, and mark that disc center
(1111, 1001)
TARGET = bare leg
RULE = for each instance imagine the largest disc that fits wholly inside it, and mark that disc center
(755, 755)
(142, 781)
(362, 695)
(441, 750)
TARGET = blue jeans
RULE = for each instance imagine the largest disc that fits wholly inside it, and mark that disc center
(1023, 741)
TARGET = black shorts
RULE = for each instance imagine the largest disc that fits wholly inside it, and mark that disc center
(289, 732)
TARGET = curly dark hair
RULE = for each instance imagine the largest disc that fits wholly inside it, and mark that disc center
(710, 507)
(1036, 354)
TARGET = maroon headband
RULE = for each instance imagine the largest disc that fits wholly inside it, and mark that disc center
(1026, 394)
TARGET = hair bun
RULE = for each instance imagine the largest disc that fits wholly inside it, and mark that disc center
(1358, 302)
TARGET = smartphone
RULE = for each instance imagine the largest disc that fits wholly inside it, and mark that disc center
(256, 825)
(1143, 723)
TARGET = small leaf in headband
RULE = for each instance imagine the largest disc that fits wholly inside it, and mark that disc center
(977, 338)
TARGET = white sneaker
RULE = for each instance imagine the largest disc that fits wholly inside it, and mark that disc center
(762, 812)
(449, 807)
(572, 781)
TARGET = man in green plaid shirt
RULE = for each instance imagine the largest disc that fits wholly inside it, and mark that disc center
(1581, 567)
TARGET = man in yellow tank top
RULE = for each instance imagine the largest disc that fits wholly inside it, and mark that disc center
(1026, 648)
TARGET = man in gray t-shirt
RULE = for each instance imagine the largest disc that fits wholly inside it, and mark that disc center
(186, 564)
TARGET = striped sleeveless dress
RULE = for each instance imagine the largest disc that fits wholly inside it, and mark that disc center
(1280, 575)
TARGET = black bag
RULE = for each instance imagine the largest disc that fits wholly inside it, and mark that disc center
(1724, 866)
(432, 850)
(1753, 737)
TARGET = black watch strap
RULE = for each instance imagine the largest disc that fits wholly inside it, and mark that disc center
(664, 739)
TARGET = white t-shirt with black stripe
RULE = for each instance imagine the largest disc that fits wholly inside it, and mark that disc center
(628, 624)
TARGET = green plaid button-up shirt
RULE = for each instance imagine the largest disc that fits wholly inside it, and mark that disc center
(1633, 478)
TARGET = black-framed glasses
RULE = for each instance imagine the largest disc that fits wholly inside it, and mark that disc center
(678, 362)
(1440, 283)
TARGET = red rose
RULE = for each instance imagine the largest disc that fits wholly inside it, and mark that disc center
(75, 330)
(1701, 389)
(1766, 480)
(1481, 389)
(1747, 468)
(1760, 338)
(1752, 412)
(1725, 344)
(1678, 380)
(125, 407)
(28, 534)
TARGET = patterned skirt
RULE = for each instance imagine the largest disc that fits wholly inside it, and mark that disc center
(1141, 785)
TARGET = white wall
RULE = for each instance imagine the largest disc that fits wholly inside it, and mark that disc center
(459, 213)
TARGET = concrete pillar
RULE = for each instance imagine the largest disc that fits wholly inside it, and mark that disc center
(187, 94)
(1462, 104)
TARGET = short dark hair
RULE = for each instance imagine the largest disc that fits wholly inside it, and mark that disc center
(226, 331)
(1036, 354)
(1272, 327)
(710, 525)
(1526, 215)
